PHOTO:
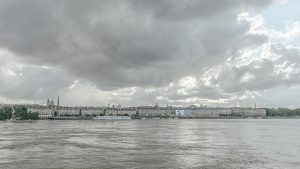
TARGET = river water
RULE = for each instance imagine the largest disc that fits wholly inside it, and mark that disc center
(216, 144)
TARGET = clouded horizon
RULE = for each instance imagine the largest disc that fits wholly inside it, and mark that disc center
(138, 52)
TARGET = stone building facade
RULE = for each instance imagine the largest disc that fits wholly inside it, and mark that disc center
(220, 112)
(154, 111)
(44, 112)
(120, 112)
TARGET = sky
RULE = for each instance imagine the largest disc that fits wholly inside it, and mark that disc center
(138, 52)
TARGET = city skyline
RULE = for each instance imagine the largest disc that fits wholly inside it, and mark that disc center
(90, 53)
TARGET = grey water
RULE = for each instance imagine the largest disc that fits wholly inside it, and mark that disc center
(216, 144)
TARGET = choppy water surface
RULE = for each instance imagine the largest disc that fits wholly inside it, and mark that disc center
(151, 144)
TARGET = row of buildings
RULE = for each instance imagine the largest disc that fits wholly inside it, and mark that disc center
(55, 110)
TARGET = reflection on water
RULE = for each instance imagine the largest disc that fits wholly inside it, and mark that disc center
(151, 144)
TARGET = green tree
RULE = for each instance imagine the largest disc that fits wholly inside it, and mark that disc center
(2, 115)
(5, 113)
(284, 112)
(34, 115)
(22, 113)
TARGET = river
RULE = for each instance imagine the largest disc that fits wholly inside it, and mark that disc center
(211, 144)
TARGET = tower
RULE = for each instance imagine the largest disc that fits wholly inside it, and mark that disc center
(48, 103)
(51, 103)
(57, 102)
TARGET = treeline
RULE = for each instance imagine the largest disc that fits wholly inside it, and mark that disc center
(20, 113)
(284, 112)
(5, 113)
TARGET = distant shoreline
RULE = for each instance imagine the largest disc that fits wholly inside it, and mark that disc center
(265, 118)
(165, 118)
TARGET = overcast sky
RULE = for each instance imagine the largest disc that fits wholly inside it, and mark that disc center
(138, 52)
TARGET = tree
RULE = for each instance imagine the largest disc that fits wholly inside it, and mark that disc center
(5, 113)
(283, 112)
(22, 113)
(34, 115)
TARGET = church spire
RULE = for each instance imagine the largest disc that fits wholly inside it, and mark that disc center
(57, 101)
(48, 103)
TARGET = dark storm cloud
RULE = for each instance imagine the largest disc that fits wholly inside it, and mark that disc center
(261, 75)
(33, 83)
(194, 9)
(117, 44)
(257, 75)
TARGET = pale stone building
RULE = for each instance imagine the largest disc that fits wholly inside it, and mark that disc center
(120, 111)
(206, 112)
(44, 112)
(154, 111)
